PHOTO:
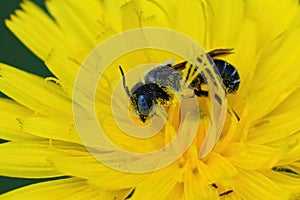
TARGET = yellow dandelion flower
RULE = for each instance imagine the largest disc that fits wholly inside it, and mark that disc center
(256, 157)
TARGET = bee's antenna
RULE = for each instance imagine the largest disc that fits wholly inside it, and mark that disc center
(124, 82)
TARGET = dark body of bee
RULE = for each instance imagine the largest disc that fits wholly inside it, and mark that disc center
(165, 78)
(228, 74)
(143, 96)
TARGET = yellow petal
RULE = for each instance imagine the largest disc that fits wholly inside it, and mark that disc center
(292, 148)
(70, 188)
(284, 180)
(15, 135)
(217, 168)
(42, 96)
(65, 67)
(283, 125)
(113, 14)
(195, 26)
(245, 59)
(48, 46)
(49, 127)
(158, 13)
(33, 28)
(10, 114)
(159, 184)
(253, 185)
(196, 188)
(177, 192)
(97, 173)
(289, 105)
(276, 77)
(131, 15)
(12, 108)
(264, 12)
(26, 161)
(91, 14)
(226, 22)
(249, 156)
(84, 30)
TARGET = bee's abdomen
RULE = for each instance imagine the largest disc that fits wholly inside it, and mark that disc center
(229, 75)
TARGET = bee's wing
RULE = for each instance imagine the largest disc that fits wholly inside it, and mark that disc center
(220, 52)
(180, 66)
(166, 63)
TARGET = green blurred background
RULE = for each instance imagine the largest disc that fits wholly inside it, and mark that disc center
(14, 53)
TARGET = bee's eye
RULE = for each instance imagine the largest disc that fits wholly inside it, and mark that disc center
(143, 105)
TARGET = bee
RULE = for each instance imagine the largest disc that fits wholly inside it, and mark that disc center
(161, 82)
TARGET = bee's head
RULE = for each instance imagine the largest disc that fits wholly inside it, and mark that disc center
(140, 98)
(142, 101)
(144, 97)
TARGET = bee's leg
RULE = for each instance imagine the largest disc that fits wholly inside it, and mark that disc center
(220, 52)
(200, 93)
